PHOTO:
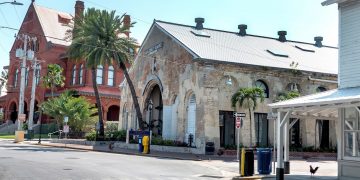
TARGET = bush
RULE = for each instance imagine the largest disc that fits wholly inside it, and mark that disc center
(161, 142)
(116, 135)
(91, 136)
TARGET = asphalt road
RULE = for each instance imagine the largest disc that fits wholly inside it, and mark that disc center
(23, 161)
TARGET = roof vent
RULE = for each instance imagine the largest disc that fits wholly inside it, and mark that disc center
(318, 41)
(282, 36)
(242, 29)
(199, 23)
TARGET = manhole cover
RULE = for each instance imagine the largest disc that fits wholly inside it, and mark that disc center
(72, 158)
(211, 176)
(5, 157)
(67, 169)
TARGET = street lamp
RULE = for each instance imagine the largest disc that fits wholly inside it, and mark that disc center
(13, 3)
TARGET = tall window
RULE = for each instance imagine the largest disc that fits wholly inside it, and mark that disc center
(80, 76)
(73, 75)
(16, 77)
(261, 84)
(99, 74)
(37, 74)
(26, 76)
(111, 76)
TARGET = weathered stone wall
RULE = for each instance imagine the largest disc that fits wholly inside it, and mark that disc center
(179, 75)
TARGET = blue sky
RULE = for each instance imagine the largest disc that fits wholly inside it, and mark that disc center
(302, 19)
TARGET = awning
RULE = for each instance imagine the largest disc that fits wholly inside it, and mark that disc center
(322, 105)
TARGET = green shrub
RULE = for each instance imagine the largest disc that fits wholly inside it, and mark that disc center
(116, 135)
(91, 136)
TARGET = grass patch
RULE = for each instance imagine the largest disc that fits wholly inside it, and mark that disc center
(7, 136)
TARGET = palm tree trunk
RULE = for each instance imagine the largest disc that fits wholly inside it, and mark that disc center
(52, 90)
(98, 102)
(250, 129)
(134, 97)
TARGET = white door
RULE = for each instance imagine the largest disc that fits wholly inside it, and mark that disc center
(191, 125)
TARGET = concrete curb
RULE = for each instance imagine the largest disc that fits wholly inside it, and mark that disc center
(114, 152)
(254, 177)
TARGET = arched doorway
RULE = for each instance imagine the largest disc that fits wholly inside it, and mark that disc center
(13, 112)
(154, 111)
(113, 113)
(191, 120)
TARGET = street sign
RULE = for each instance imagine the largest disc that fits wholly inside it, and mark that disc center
(22, 117)
(66, 129)
(238, 114)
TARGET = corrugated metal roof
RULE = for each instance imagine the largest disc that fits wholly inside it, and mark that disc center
(252, 50)
(336, 96)
(53, 29)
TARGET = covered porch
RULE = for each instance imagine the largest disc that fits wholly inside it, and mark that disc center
(341, 105)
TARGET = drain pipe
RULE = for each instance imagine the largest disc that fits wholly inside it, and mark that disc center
(322, 80)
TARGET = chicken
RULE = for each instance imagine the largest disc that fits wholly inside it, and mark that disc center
(312, 170)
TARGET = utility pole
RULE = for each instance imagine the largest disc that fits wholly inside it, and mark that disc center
(24, 54)
(33, 87)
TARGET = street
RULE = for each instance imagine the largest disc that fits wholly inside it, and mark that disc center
(23, 161)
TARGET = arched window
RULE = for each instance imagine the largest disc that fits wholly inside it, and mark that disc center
(16, 78)
(99, 74)
(37, 74)
(191, 119)
(320, 89)
(261, 84)
(80, 76)
(73, 75)
(26, 76)
(111, 76)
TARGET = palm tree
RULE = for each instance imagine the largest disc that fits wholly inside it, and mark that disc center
(248, 98)
(3, 79)
(53, 78)
(98, 38)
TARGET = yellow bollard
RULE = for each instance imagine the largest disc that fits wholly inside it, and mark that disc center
(145, 142)
(19, 136)
(242, 164)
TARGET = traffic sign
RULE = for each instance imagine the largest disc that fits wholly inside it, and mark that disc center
(66, 119)
(238, 122)
(22, 117)
(66, 129)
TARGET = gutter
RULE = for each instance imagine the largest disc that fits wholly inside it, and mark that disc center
(322, 80)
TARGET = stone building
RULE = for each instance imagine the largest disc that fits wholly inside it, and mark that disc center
(49, 26)
(184, 77)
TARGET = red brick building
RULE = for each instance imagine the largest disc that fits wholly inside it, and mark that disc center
(49, 27)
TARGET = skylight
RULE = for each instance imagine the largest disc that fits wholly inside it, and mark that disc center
(277, 53)
(304, 49)
(200, 33)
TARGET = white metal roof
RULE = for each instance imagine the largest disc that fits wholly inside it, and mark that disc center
(328, 99)
(329, 2)
(229, 47)
(53, 29)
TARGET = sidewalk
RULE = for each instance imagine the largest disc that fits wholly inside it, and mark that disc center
(158, 154)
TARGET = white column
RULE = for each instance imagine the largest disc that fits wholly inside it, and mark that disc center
(286, 146)
(280, 143)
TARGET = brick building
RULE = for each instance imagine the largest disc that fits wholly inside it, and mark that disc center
(49, 26)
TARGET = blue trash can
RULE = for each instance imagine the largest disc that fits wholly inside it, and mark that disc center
(141, 147)
(264, 156)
